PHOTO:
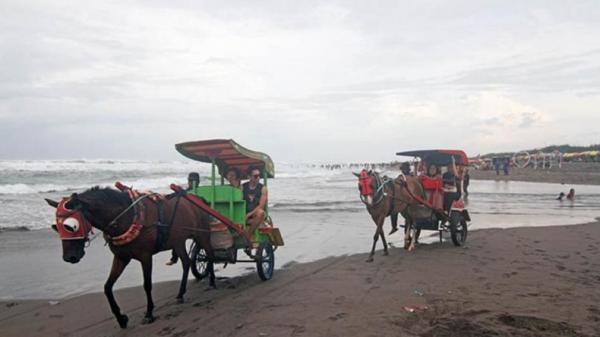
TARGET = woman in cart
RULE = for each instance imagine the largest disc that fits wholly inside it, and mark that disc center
(451, 186)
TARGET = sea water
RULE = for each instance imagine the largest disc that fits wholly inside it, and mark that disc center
(318, 211)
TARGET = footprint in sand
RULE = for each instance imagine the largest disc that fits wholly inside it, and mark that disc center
(166, 331)
(560, 267)
(339, 300)
(338, 316)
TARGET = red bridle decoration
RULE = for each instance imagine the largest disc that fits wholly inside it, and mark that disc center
(70, 223)
(364, 181)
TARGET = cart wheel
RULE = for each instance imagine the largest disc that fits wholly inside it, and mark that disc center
(265, 261)
(441, 239)
(458, 229)
(199, 261)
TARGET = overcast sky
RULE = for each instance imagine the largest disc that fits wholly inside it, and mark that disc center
(303, 81)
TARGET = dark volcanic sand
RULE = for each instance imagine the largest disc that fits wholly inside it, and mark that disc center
(515, 282)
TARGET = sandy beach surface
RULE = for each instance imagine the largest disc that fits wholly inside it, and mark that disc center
(506, 282)
(580, 173)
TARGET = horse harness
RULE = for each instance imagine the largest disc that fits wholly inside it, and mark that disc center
(137, 225)
(380, 192)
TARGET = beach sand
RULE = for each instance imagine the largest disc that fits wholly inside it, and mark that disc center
(579, 173)
(506, 282)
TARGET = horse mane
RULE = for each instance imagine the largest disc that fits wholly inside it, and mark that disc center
(105, 195)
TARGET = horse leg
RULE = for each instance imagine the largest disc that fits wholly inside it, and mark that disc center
(210, 267)
(394, 218)
(407, 228)
(118, 265)
(146, 262)
(185, 263)
(379, 224)
(375, 238)
(385, 246)
(413, 235)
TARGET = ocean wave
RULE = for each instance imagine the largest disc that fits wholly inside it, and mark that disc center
(15, 229)
(324, 210)
(156, 184)
(314, 204)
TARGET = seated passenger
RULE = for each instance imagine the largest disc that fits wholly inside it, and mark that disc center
(432, 184)
(433, 171)
(451, 187)
(233, 176)
(256, 196)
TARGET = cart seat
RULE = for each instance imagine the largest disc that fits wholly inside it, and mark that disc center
(227, 200)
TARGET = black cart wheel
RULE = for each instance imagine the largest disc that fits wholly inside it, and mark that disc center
(265, 261)
(199, 261)
(458, 228)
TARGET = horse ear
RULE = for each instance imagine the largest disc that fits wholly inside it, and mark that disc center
(51, 202)
(356, 174)
(73, 202)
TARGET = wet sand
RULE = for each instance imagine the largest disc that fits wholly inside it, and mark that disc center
(571, 173)
(540, 281)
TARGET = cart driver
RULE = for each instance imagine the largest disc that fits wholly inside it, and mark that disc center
(255, 195)
(193, 182)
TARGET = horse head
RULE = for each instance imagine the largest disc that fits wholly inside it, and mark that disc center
(77, 214)
(71, 226)
(366, 185)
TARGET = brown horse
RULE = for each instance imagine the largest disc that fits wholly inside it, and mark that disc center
(130, 224)
(385, 197)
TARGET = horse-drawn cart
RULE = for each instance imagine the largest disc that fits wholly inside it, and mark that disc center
(442, 208)
(227, 208)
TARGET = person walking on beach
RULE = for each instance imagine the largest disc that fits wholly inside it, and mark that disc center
(497, 166)
(466, 181)
(193, 182)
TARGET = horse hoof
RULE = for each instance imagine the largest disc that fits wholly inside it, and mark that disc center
(123, 320)
(179, 300)
(148, 319)
(394, 230)
(411, 248)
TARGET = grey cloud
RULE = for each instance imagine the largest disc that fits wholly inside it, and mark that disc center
(528, 119)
